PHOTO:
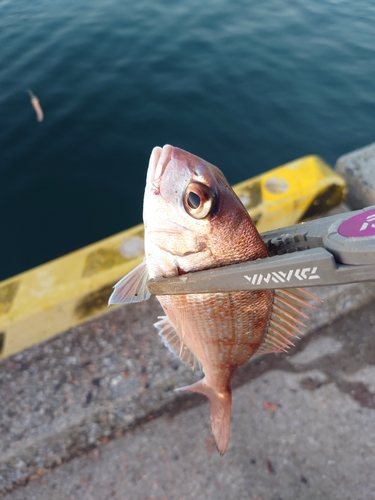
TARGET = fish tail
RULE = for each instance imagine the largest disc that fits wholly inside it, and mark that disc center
(220, 411)
(30, 92)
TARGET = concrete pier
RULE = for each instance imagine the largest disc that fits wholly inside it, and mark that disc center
(358, 168)
(302, 428)
(92, 413)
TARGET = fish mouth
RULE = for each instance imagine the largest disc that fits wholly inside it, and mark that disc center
(159, 160)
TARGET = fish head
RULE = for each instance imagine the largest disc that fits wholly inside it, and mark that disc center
(193, 219)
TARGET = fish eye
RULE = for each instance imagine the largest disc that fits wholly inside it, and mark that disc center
(199, 200)
(193, 200)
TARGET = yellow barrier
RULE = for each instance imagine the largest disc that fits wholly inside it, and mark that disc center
(291, 193)
(53, 297)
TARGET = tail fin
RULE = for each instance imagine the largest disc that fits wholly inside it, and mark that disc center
(220, 411)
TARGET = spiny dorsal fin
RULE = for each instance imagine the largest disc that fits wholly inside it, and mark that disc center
(172, 340)
(132, 287)
(286, 318)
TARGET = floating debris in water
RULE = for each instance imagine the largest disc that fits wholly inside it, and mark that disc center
(36, 105)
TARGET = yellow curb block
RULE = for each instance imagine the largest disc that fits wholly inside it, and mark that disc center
(296, 191)
(53, 297)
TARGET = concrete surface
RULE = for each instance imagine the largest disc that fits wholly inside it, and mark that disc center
(303, 427)
(358, 169)
(106, 376)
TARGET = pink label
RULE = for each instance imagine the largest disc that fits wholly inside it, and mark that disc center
(359, 225)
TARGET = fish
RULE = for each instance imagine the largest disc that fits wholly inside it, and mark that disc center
(36, 105)
(193, 221)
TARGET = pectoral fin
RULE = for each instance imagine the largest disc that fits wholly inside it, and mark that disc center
(132, 287)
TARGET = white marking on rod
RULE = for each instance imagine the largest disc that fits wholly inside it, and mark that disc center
(296, 274)
(314, 276)
(290, 274)
(304, 271)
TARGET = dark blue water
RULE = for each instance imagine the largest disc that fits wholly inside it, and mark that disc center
(247, 85)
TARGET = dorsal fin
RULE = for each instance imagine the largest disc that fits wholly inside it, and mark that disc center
(286, 319)
(174, 343)
(132, 287)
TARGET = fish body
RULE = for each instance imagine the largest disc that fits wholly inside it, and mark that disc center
(194, 221)
(36, 105)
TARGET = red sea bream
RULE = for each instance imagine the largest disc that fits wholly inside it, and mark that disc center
(194, 221)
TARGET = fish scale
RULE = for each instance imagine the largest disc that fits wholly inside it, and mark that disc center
(231, 333)
(194, 221)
